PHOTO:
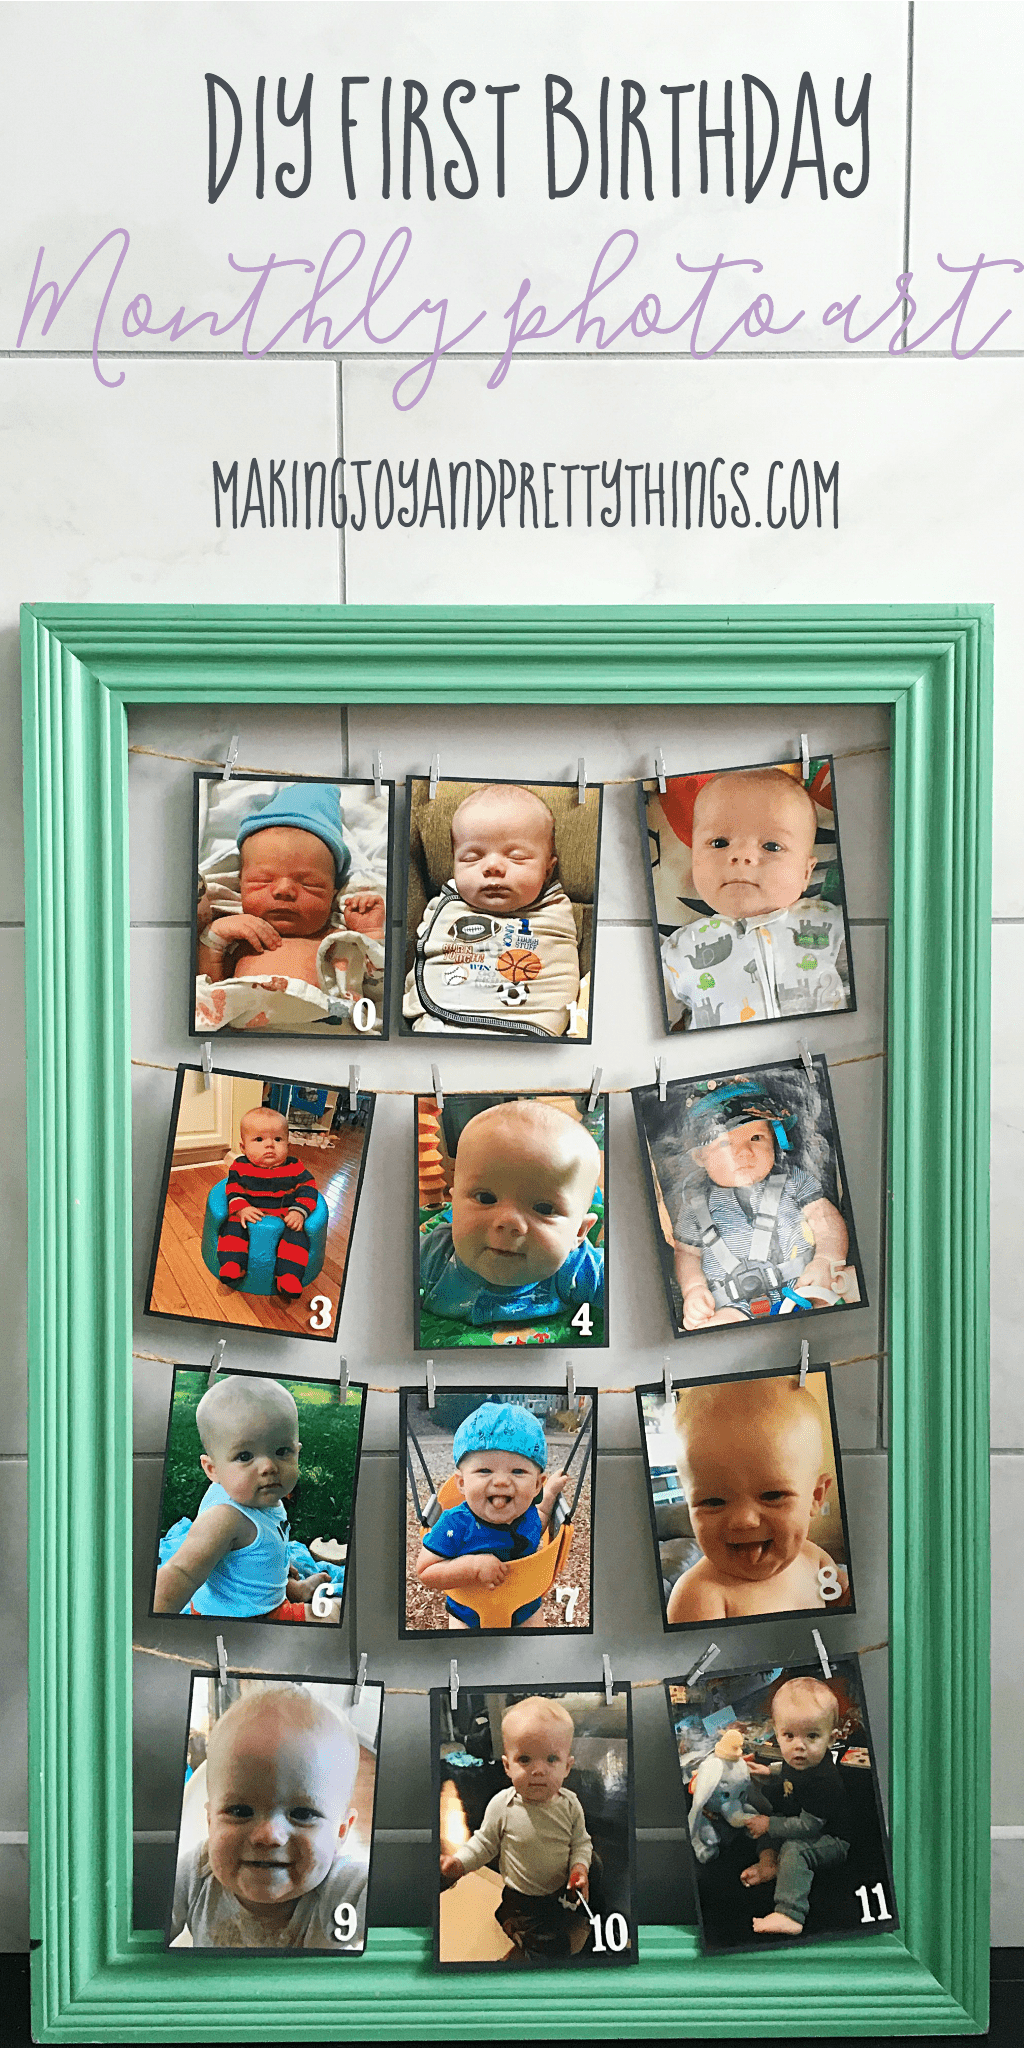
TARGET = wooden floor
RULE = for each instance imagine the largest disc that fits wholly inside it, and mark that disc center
(184, 1286)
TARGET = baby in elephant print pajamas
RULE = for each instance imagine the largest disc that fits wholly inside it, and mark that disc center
(767, 951)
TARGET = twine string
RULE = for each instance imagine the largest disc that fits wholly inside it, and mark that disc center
(418, 1692)
(605, 781)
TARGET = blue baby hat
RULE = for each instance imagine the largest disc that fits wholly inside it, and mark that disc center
(310, 807)
(499, 1426)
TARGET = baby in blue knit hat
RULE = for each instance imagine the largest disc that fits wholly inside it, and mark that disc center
(293, 861)
(500, 1455)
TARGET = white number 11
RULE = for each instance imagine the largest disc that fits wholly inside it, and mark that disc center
(867, 1916)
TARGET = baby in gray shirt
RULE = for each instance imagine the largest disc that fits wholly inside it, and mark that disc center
(536, 1829)
(280, 1769)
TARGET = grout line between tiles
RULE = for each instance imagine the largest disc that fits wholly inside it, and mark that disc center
(343, 530)
(907, 158)
(632, 357)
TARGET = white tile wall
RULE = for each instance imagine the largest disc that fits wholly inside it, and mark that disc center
(108, 498)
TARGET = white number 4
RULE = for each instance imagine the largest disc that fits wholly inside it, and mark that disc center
(583, 1321)
(867, 1916)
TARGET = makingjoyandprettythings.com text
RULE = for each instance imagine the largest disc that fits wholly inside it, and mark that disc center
(426, 492)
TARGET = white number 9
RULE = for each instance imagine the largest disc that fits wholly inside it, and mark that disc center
(321, 1318)
(321, 1604)
(345, 1922)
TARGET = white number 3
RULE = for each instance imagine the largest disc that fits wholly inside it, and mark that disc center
(345, 1922)
(321, 1318)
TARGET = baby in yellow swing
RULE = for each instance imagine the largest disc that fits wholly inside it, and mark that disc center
(500, 1455)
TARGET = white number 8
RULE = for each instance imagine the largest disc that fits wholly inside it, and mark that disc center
(321, 1318)
(345, 1922)
(828, 1583)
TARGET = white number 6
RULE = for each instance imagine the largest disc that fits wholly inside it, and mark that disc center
(321, 1319)
(321, 1603)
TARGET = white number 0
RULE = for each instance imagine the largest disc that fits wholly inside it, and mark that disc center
(364, 1014)
(345, 1922)
(321, 1319)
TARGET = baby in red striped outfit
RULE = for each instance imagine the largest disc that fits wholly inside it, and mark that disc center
(267, 1180)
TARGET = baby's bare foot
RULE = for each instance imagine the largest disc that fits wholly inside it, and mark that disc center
(777, 1923)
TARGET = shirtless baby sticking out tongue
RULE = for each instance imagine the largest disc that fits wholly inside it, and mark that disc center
(751, 1460)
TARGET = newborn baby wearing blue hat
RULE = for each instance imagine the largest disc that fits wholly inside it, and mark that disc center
(297, 965)
(500, 1455)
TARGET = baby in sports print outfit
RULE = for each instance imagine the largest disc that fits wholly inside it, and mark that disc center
(497, 949)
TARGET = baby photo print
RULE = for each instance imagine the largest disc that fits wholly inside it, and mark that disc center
(501, 907)
(275, 1834)
(498, 1502)
(747, 901)
(291, 930)
(260, 1190)
(749, 1199)
(510, 1220)
(784, 1814)
(533, 1827)
(258, 1495)
(746, 1497)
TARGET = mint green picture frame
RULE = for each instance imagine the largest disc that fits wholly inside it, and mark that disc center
(93, 1978)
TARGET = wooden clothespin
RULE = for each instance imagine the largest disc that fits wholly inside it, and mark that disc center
(659, 770)
(353, 1090)
(431, 1384)
(805, 1359)
(378, 771)
(822, 1653)
(360, 1680)
(594, 1087)
(453, 1682)
(805, 757)
(435, 1075)
(581, 781)
(609, 1683)
(232, 756)
(217, 1360)
(206, 1056)
(435, 771)
(659, 1068)
(222, 1661)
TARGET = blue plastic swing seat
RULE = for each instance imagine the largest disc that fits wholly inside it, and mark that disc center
(263, 1241)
